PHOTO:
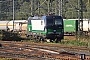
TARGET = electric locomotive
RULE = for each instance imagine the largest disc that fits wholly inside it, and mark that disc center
(45, 27)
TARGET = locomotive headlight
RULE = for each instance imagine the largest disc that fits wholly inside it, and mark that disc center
(45, 29)
(54, 30)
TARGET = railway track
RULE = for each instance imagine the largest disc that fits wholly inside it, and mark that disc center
(41, 51)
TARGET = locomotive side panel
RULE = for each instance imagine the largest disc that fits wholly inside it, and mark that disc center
(37, 24)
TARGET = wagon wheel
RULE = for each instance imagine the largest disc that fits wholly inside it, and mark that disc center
(29, 37)
(51, 40)
(58, 40)
(37, 38)
(41, 39)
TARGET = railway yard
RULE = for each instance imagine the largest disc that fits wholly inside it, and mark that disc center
(42, 51)
(29, 39)
(45, 30)
(25, 49)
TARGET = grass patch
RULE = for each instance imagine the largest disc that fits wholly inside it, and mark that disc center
(74, 43)
(70, 43)
(67, 42)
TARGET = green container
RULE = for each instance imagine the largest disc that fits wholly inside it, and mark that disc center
(70, 25)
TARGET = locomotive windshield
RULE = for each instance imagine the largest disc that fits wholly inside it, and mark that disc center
(49, 22)
(58, 21)
(54, 22)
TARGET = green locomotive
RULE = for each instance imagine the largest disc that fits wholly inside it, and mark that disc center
(45, 28)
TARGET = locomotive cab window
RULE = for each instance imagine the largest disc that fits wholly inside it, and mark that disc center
(49, 22)
(58, 22)
(55, 21)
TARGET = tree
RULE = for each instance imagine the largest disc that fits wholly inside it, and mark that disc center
(23, 8)
(24, 11)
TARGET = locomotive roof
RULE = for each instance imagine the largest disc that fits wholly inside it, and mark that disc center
(35, 17)
(40, 17)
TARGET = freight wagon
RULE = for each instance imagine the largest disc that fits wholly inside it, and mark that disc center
(71, 26)
(18, 25)
(45, 27)
(3, 25)
(8, 25)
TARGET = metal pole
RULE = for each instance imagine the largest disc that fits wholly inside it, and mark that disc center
(78, 34)
(81, 15)
(80, 18)
(13, 15)
(57, 8)
(48, 6)
(60, 7)
(38, 7)
(51, 5)
(32, 8)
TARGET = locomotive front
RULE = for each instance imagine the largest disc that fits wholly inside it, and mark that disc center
(54, 27)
